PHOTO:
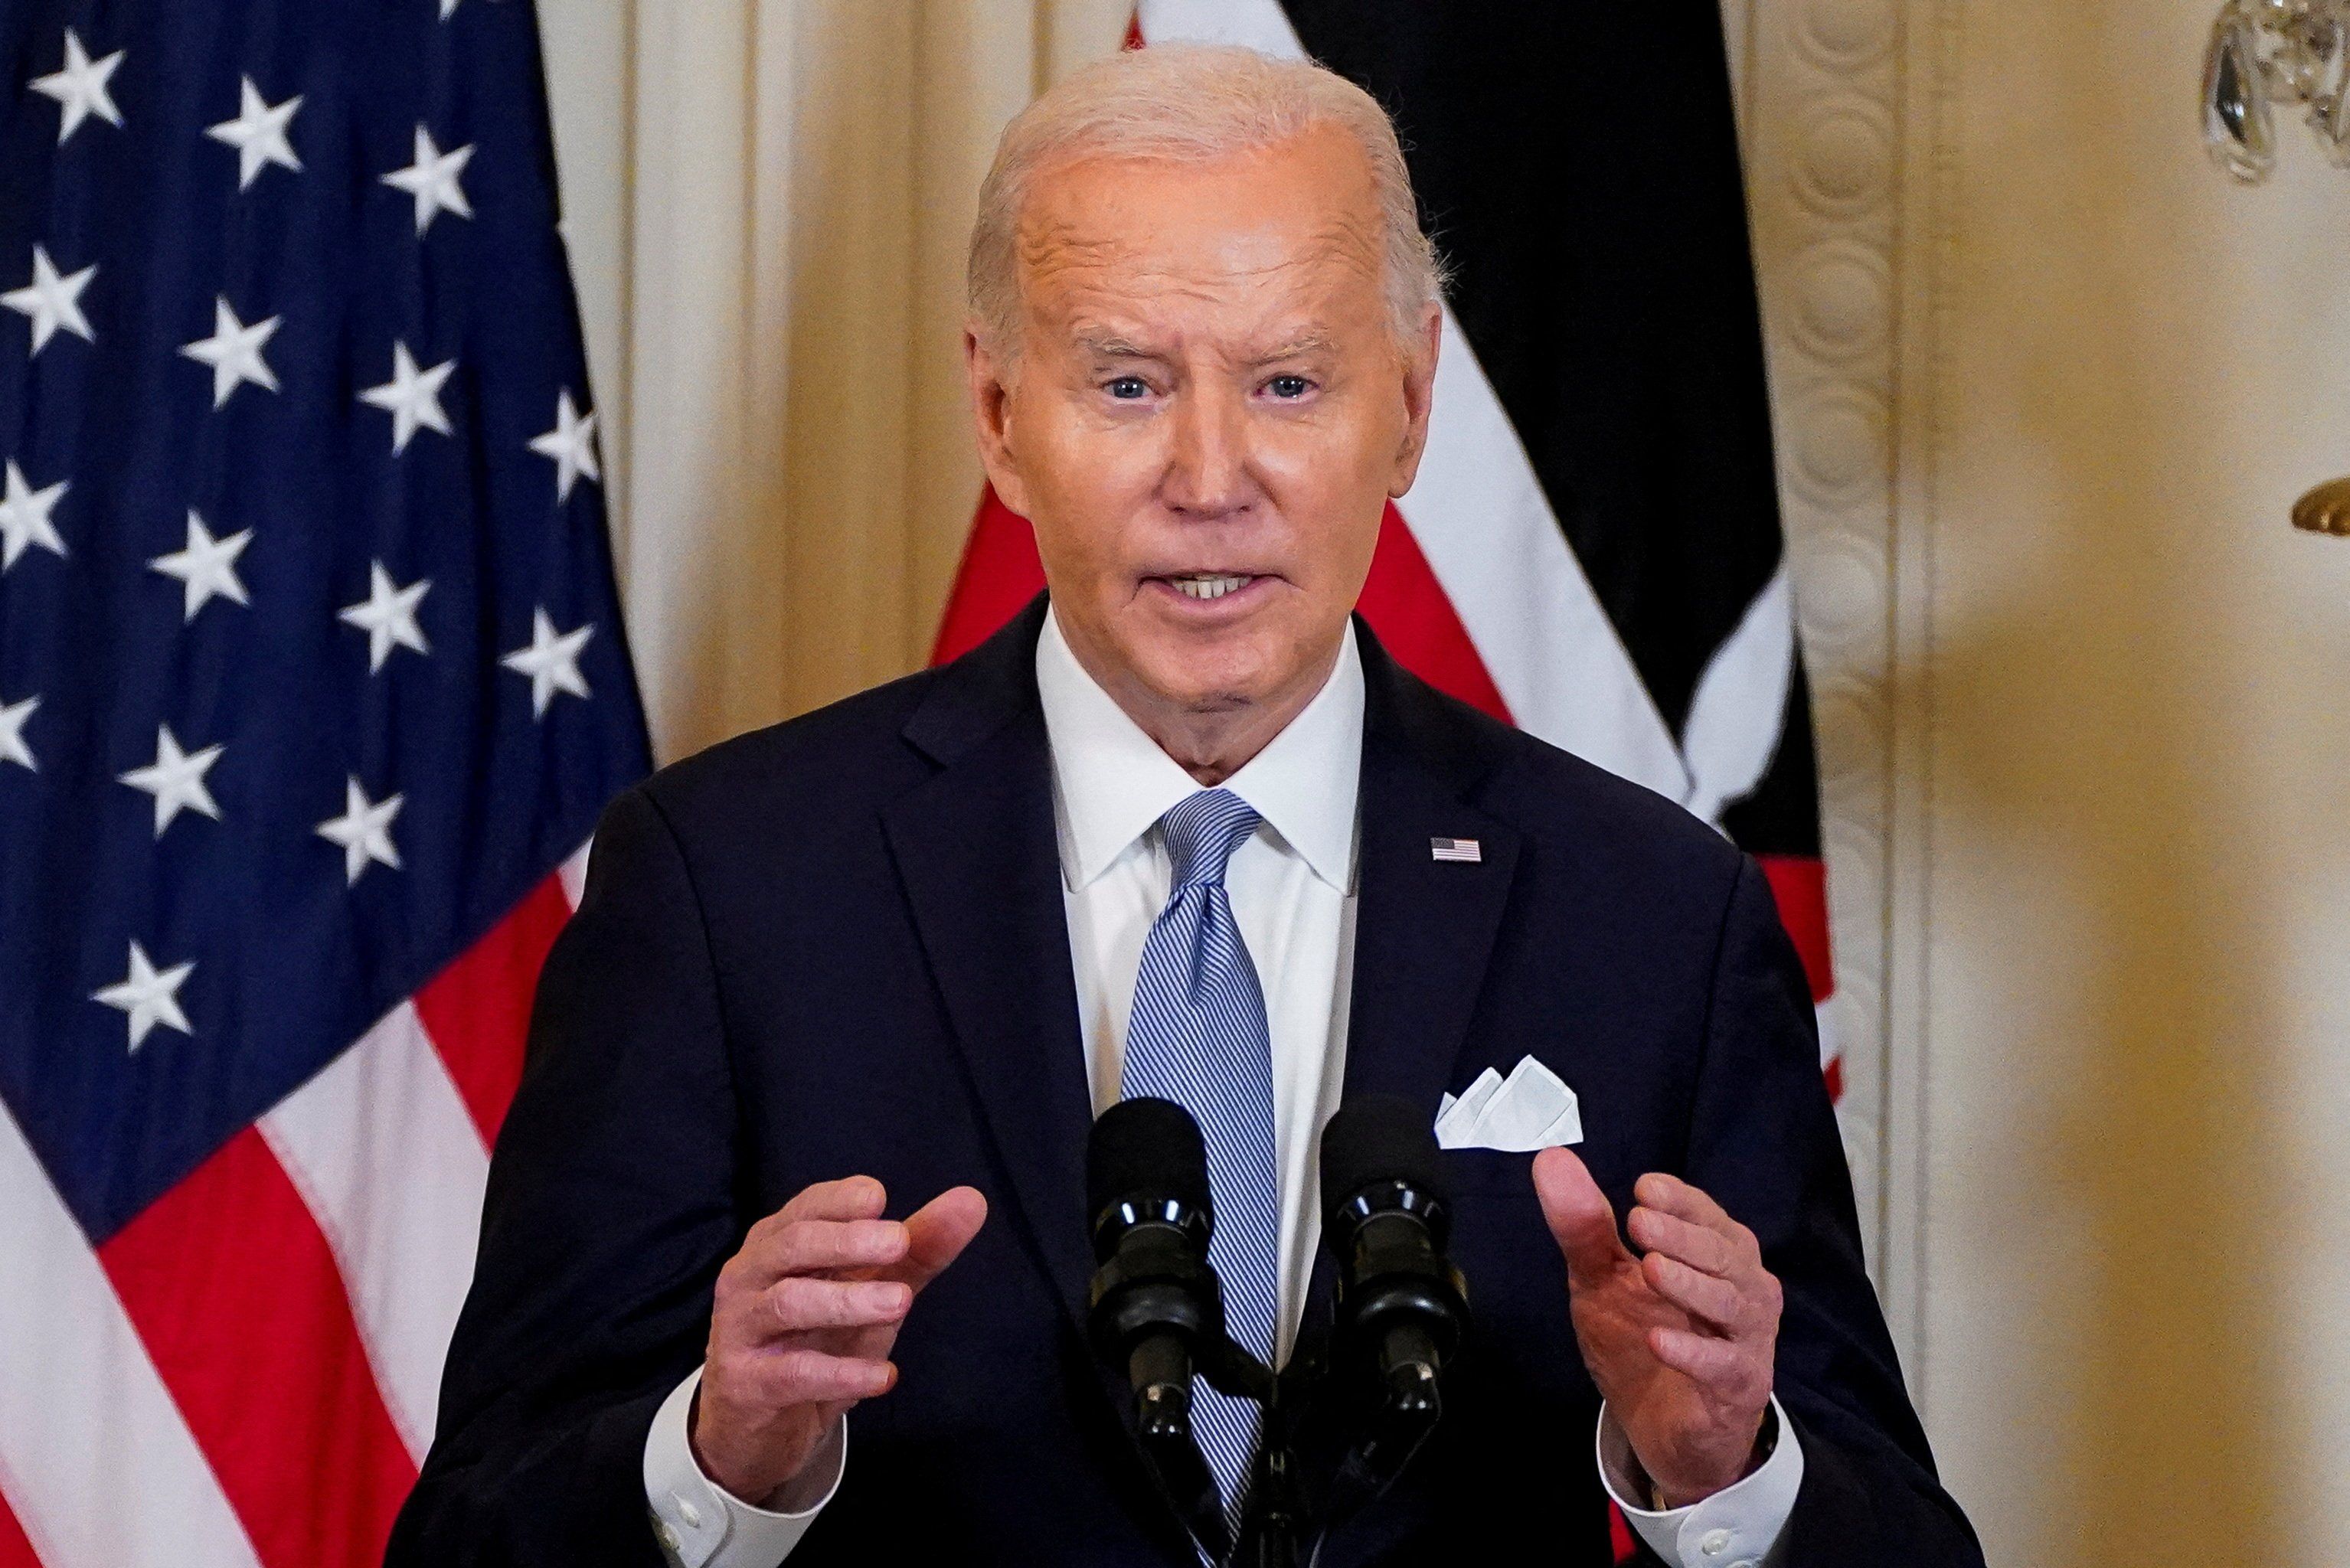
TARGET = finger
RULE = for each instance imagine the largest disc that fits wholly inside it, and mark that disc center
(802, 1376)
(1677, 1239)
(1579, 1216)
(850, 1198)
(1718, 1363)
(936, 1232)
(808, 1246)
(799, 1303)
(1712, 1301)
(1682, 1200)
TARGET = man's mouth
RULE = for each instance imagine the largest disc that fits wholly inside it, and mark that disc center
(1209, 585)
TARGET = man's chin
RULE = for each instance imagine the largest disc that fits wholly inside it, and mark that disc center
(1224, 675)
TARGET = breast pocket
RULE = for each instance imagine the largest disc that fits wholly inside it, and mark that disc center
(1489, 1171)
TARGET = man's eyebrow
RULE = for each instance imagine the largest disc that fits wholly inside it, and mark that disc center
(1312, 340)
(1110, 346)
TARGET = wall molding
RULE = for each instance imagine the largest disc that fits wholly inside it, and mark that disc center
(1834, 127)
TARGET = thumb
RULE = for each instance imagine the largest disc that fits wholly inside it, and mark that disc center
(1579, 1216)
(936, 1232)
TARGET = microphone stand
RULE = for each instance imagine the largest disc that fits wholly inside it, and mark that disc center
(1277, 1524)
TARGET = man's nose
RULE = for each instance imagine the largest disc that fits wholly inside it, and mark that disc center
(1207, 469)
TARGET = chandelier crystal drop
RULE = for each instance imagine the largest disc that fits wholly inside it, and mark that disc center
(2269, 53)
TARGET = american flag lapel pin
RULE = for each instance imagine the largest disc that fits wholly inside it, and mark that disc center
(1465, 851)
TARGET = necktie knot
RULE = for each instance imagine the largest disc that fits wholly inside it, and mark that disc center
(1202, 830)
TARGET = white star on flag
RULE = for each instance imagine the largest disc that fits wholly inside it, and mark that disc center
(24, 516)
(80, 88)
(432, 180)
(447, 9)
(388, 616)
(176, 779)
(13, 748)
(411, 396)
(364, 831)
(551, 661)
(206, 566)
(572, 444)
(52, 302)
(234, 351)
(258, 134)
(148, 998)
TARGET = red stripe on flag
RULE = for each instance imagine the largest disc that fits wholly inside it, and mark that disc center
(477, 1011)
(231, 1289)
(1407, 606)
(15, 1551)
(1800, 883)
(1001, 572)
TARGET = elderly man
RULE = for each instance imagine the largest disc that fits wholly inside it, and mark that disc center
(892, 957)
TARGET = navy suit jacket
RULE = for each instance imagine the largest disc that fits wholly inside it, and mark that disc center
(838, 946)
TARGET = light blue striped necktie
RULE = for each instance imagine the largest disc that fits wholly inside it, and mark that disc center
(1197, 1035)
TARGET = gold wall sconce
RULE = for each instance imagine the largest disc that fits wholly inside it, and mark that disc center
(2325, 510)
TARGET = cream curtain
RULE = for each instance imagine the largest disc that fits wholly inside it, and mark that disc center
(766, 205)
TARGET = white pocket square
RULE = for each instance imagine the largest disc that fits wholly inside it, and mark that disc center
(1530, 1109)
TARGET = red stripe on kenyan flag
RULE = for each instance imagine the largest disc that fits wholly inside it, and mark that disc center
(15, 1551)
(1800, 883)
(1406, 605)
(230, 1286)
(1000, 573)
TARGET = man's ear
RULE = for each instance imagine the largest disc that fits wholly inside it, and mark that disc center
(1419, 391)
(990, 414)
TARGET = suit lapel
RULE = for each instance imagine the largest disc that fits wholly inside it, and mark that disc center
(978, 860)
(1424, 928)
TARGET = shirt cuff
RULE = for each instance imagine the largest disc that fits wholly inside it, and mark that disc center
(698, 1522)
(1737, 1527)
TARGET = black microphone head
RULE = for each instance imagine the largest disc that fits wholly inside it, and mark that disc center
(1381, 1138)
(1144, 1148)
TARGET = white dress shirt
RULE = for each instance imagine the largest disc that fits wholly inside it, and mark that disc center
(1292, 886)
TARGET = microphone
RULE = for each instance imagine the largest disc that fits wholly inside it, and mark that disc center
(1155, 1310)
(1401, 1305)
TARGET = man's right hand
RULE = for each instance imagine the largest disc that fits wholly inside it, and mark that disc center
(805, 1316)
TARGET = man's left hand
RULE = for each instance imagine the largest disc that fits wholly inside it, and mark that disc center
(1680, 1341)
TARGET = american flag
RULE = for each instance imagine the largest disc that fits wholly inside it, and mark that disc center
(312, 685)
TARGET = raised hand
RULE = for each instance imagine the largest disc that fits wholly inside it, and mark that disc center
(806, 1314)
(1681, 1340)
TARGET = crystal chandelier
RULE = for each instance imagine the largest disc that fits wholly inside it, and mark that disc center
(2265, 53)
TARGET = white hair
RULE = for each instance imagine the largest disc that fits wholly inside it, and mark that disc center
(1190, 103)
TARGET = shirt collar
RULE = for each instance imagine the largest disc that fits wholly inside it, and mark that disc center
(1112, 783)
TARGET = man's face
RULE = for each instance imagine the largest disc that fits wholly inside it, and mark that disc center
(1204, 414)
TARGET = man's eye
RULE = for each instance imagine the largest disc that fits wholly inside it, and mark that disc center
(1289, 386)
(1128, 387)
